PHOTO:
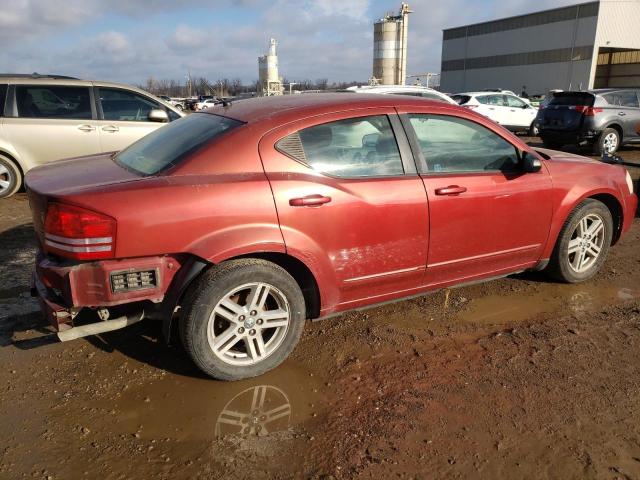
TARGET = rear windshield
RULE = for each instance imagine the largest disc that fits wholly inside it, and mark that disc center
(573, 99)
(170, 144)
(461, 99)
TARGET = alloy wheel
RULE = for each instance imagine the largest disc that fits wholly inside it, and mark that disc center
(248, 324)
(610, 143)
(5, 179)
(586, 243)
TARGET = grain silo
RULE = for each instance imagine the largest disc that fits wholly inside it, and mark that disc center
(390, 48)
(270, 81)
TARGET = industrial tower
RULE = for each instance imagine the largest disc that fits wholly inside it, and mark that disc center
(270, 81)
(390, 35)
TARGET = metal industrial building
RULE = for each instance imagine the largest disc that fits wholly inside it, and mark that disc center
(590, 45)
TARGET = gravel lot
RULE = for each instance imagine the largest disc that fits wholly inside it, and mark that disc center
(519, 378)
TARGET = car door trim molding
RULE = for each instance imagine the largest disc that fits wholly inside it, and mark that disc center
(485, 255)
(385, 274)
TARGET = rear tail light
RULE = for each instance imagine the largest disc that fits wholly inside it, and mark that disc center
(77, 233)
(586, 111)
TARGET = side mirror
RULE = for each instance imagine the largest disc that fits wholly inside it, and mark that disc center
(530, 163)
(157, 115)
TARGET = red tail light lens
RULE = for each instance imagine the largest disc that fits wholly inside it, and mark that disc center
(77, 233)
(587, 111)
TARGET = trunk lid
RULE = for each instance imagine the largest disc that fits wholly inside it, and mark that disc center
(565, 111)
(68, 177)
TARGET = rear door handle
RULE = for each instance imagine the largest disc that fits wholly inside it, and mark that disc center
(451, 190)
(110, 128)
(622, 114)
(86, 128)
(309, 201)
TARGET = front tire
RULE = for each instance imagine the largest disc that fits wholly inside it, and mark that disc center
(533, 130)
(242, 318)
(10, 177)
(583, 243)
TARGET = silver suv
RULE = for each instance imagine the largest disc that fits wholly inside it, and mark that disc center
(45, 118)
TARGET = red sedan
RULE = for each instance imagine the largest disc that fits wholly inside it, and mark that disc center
(243, 222)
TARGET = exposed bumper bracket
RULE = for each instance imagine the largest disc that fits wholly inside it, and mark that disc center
(99, 327)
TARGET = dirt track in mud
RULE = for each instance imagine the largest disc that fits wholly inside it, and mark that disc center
(519, 378)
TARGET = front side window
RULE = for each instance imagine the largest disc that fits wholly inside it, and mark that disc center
(495, 100)
(452, 145)
(356, 147)
(123, 105)
(515, 102)
(57, 102)
(169, 145)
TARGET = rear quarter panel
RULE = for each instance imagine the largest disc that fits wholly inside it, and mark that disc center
(215, 205)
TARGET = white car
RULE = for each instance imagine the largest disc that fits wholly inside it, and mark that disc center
(410, 90)
(507, 109)
(209, 102)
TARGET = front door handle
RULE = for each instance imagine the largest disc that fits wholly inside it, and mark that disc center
(309, 201)
(86, 128)
(622, 114)
(110, 128)
(451, 190)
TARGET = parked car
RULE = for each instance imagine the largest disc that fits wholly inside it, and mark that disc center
(603, 120)
(46, 118)
(207, 103)
(508, 110)
(409, 90)
(289, 208)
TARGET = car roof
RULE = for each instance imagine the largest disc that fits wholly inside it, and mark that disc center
(291, 107)
(374, 88)
(492, 92)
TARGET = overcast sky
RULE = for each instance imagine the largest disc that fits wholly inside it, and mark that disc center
(131, 40)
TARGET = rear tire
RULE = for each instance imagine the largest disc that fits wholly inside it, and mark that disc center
(242, 318)
(608, 142)
(533, 130)
(10, 177)
(583, 243)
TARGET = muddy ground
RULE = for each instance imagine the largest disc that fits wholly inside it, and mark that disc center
(519, 378)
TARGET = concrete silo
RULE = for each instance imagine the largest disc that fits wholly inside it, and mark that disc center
(390, 48)
(270, 81)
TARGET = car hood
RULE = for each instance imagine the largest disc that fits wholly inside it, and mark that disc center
(556, 155)
(78, 174)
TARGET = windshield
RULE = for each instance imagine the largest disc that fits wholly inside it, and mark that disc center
(170, 144)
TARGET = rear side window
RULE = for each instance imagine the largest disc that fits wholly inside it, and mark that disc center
(573, 99)
(42, 101)
(356, 147)
(454, 145)
(515, 102)
(497, 100)
(3, 98)
(169, 145)
(625, 98)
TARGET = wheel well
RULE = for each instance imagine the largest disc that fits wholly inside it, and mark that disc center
(301, 274)
(616, 213)
(618, 128)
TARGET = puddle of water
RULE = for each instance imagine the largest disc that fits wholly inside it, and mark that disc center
(500, 309)
(202, 410)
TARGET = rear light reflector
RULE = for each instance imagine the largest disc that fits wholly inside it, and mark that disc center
(137, 280)
(78, 233)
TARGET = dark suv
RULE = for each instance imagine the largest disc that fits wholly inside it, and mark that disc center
(603, 119)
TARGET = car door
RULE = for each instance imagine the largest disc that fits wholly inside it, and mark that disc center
(487, 217)
(124, 117)
(520, 113)
(350, 203)
(493, 107)
(51, 122)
